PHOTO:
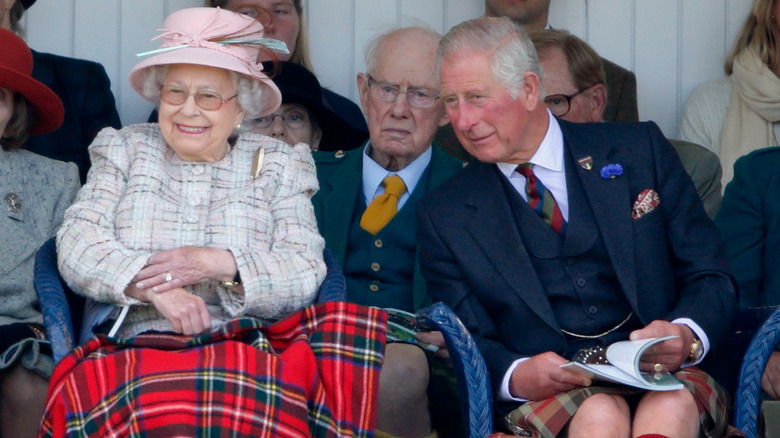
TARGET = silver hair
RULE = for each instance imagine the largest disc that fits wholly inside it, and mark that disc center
(251, 93)
(372, 50)
(512, 52)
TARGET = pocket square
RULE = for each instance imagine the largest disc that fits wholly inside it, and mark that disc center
(646, 202)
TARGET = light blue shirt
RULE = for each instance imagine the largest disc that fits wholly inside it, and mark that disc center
(374, 174)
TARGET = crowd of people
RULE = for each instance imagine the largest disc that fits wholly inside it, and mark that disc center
(483, 168)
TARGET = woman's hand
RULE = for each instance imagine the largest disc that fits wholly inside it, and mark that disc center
(671, 353)
(187, 312)
(770, 381)
(175, 268)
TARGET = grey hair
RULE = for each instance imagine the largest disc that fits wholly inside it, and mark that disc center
(251, 93)
(512, 54)
(373, 48)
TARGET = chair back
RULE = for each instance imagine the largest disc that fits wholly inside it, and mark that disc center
(62, 308)
(748, 397)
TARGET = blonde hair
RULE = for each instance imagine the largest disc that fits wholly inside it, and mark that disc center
(300, 55)
(755, 35)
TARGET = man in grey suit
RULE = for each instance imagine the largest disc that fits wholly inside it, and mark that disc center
(575, 85)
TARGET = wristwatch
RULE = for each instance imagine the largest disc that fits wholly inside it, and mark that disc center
(697, 349)
(232, 284)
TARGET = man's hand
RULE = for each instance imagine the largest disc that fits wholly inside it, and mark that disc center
(185, 266)
(187, 312)
(669, 354)
(542, 377)
(770, 381)
(437, 339)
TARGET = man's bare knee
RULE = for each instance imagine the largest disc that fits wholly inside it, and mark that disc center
(404, 370)
(604, 415)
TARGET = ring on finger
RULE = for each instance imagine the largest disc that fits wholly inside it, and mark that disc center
(168, 276)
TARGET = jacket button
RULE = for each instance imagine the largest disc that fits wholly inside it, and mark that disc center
(375, 267)
(339, 154)
(373, 288)
(581, 282)
(378, 243)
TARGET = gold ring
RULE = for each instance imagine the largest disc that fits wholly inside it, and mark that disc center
(168, 276)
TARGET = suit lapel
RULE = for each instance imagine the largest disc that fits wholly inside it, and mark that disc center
(492, 226)
(605, 195)
(342, 191)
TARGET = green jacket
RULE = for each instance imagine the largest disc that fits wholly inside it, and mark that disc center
(340, 177)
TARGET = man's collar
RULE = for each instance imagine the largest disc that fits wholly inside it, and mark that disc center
(550, 152)
(373, 173)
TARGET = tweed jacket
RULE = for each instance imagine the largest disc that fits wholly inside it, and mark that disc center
(44, 188)
(749, 223)
(340, 175)
(669, 262)
(85, 92)
(141, 198)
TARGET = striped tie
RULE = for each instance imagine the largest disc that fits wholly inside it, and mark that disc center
(541, 200)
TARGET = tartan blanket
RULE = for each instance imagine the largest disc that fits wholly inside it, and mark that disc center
(315, 373)
(547, 418)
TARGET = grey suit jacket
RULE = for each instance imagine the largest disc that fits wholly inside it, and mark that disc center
(703, 166)
(34, 193)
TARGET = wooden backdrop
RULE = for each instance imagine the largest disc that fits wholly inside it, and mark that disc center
(672, 45)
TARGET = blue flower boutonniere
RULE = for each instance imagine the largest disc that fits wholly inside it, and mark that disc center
(611, 171)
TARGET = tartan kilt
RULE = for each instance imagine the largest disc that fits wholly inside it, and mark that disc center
(315, 373)
(547, 418)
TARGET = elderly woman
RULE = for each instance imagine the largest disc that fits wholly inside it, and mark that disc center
(35, 192)
(187, 230)
(302, 117)
(284, 21)
(741, 112)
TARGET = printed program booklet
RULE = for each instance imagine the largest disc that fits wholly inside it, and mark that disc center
(402, 326)
(619, 363)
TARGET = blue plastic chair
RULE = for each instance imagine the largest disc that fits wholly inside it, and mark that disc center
(748, 397)
(474, 389)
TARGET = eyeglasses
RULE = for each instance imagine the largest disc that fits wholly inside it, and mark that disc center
(207, 100)
(292, 120)
(417, 97)
(560, 104)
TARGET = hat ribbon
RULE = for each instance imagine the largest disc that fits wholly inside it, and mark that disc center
(275, 45)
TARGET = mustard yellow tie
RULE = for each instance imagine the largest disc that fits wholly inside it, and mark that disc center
(382, 209)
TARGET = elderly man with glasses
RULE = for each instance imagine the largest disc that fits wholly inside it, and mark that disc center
(366, 210)
(574, 83)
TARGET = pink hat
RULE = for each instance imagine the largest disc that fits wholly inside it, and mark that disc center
(212, 37)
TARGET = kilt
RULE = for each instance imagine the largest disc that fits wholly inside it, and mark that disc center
(315, 373)
(547, 418)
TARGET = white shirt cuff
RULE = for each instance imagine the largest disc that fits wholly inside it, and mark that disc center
(503, 393)
(705, 341)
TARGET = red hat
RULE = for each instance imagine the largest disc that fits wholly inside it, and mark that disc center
(16, 66)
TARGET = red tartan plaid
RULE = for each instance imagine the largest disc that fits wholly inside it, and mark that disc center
(316, 373)
(547, 418)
